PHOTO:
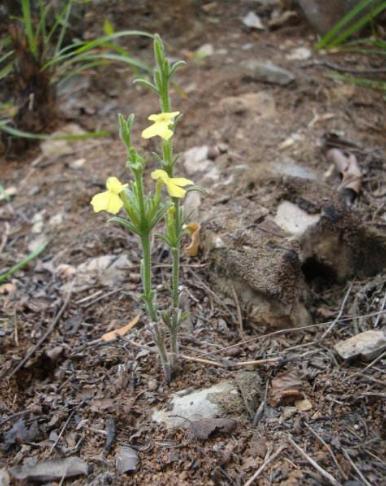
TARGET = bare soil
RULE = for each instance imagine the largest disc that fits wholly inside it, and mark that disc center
(87, 399)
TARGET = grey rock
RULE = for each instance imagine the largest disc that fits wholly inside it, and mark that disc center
(367, 345)
(253, 21)
(294, 220)
(267, 72)
(4, 478)
(126, 459)
(188, 406)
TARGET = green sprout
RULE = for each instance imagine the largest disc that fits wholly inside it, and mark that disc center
(145, 210)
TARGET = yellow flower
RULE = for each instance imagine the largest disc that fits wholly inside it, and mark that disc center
(174, 185)
(161, 125)
(109, 200)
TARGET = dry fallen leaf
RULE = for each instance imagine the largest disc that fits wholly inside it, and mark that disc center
(203, 428)
(110, 336)
(193, 247)
(303, 405)
(286, 389)
(7, 288)
(348, 168)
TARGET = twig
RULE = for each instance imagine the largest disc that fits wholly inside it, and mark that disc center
(267, 461)
(61, 433)
(328, 447)
(343, 69)
(296, 329)
(381, 356)
(42, 339)
(347, 456)
(339, 314)
(202, 360)
(258, 362)
(314, 464)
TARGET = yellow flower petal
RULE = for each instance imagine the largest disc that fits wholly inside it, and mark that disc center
(161, 124)
(181, 181)
(174, 190)
(114, 185)
(164, 117)
(158, 129)
(114, 204)
(159, 174)
(106, 201)
(99, 201)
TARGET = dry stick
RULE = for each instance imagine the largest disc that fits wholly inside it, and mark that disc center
(61, 433)
(339, 314)
(258, 362)
(201, 360)
(313, 463)
(347, 456)
(42, 339)
(264, 465)
(328, 447)
(366, 368)
(296, 329)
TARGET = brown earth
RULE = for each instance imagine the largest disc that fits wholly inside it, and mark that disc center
(71, 390)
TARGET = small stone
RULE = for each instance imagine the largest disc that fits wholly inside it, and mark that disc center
(152, 385)
(299, 54)
(293, 219)
(267, 72)
(253, 21)
(367, 345)
(192, 204)
(77, 164)
(126, 459)
(205, 51)
(288, 412)
(196, 159)
(4, 478)
(303, 405)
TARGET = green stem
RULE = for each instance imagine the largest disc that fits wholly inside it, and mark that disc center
(147, 277)
(148, 294)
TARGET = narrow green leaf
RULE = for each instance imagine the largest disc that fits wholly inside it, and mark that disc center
(327, 38)
(28, 27)
(5, 127)
(64, 23)
(5, 276)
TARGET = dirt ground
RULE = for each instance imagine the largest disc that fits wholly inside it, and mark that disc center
(76, 397)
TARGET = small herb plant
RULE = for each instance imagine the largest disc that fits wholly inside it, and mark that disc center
(35, 59)
(144, 210)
